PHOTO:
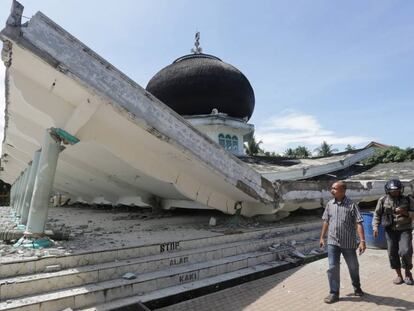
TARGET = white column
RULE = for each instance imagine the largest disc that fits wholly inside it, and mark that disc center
(43, 185)
(29, 189)
(12, 191)
(17, 197)
(22, 190)
(16, 191)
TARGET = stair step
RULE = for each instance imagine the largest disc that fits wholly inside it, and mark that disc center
(31, 265)
(44, 282)
(83, 296)
(177, 293)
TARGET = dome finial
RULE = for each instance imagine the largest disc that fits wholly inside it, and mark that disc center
(197, 48)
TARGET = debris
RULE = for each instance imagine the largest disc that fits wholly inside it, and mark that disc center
(212, 222)
(298, 254)
(53, 268)
(129, 276)
(290, 259)
(315, 252)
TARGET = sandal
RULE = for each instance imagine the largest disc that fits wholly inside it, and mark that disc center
(398, 280)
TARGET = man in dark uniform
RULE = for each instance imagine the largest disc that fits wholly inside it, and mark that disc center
(394, 213)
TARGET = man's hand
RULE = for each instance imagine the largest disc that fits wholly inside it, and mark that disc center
(321, 242)
(375, 232)
(362, 247)
(401, 211)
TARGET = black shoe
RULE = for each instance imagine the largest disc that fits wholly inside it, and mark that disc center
(332, 298)
(409, 280)
(358, 292)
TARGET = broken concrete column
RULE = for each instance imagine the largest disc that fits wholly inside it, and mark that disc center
(16, 204)
(29, 189)
(12, 193)
(16, 192)
(43, 185)
(23, 190)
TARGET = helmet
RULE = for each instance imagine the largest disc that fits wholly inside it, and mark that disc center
(393, 184)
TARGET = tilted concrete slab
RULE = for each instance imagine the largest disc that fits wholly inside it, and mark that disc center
(133, 149)
(308, 168)
(312, 194)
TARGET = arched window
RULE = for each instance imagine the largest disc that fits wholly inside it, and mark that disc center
(222, 142)
(228, 142)
(235, 143)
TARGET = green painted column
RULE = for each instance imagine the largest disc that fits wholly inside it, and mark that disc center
(43, 185)
(29, 189)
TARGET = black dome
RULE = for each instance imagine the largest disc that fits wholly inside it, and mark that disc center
(197, 83)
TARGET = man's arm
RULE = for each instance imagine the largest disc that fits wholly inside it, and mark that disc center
(360, 229)
(405, 211)
(325, 226)
(411, 206)
(376, 220)
(361, 234)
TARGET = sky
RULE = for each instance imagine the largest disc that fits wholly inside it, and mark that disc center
(321, 70)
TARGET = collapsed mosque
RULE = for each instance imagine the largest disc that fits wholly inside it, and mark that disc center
(75, 125)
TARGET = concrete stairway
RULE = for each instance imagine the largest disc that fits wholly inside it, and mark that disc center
(94, 280)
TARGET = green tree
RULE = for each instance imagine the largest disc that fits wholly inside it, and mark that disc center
(325, 150)
(391, 154)
(302, 152)
(349, 147)
(290, 153)
(271, 154)
(253, 148)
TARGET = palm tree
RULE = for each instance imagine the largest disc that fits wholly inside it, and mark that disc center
(302, 152)
(349, 147)
(325, 150)
(290, 153)
(252, 147)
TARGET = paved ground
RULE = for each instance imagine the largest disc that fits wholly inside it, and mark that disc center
(305, 287)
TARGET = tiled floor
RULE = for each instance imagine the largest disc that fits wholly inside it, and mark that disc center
(305, 287)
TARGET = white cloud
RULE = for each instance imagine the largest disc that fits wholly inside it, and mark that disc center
(291, 129)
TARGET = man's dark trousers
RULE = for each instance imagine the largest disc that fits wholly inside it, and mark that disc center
(334, 255)
(399, 244)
